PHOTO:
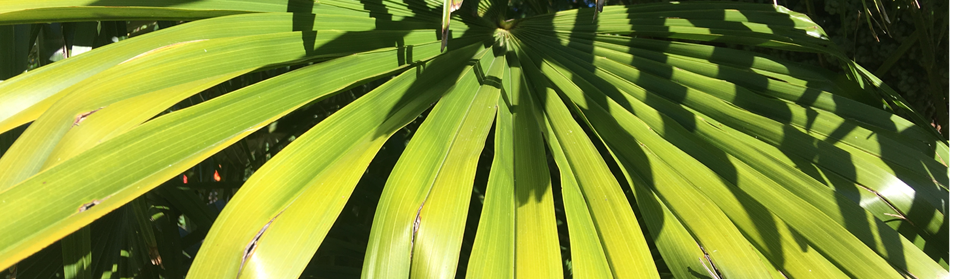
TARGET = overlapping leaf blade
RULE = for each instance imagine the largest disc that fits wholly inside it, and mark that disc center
(682, 92)
(741, 165)
(286, 198)
(233, 55)
(129, 180)
(517, 235)
(598, 194)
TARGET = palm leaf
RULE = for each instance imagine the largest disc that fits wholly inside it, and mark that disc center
(671, 154)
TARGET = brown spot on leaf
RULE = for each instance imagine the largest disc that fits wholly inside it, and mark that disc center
(253, 244)
(82, 116)
(89, 205)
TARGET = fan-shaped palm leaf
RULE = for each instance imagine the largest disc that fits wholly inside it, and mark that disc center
(739, 164)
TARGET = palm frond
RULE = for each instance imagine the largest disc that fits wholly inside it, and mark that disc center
(672, 153)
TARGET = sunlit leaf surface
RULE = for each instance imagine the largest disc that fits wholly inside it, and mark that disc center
(628, 143)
